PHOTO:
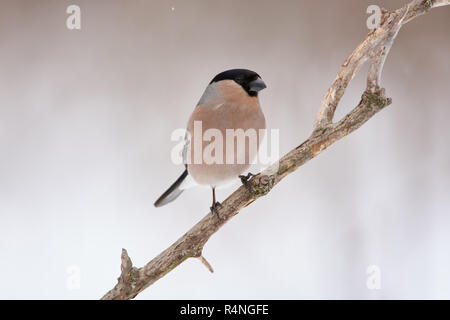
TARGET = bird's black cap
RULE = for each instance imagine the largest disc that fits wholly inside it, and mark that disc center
(243, 77)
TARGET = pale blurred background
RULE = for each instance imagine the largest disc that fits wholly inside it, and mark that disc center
(85, 123)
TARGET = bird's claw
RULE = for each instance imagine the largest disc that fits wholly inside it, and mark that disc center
(214, 209)
(246, 179)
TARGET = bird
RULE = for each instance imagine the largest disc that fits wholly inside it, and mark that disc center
(229, 105)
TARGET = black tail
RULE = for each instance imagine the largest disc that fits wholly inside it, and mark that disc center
(173, 192)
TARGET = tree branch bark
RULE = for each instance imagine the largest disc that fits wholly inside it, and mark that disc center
(374, 48)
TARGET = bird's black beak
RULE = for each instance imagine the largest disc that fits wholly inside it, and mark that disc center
(257, 85)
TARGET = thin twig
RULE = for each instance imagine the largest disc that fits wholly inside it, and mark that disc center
(206, 264)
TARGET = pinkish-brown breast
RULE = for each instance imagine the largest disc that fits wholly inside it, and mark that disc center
(228, 106)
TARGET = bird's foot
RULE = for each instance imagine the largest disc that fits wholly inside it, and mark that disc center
(214, 208)
(246, 180)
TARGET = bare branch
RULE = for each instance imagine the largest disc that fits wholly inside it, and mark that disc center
(382, 50)
(375, 48)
